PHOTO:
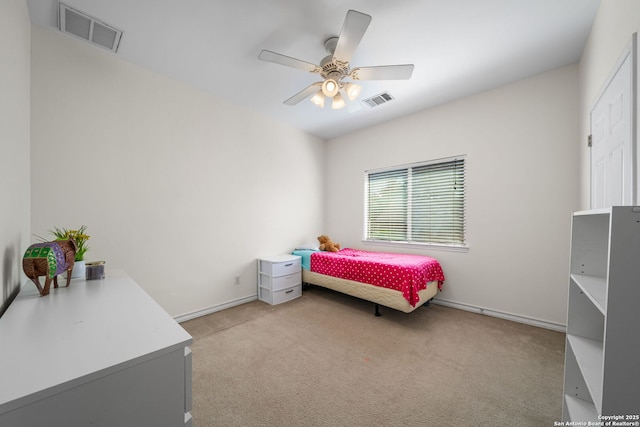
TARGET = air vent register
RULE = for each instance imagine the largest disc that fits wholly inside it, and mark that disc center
(83, 26)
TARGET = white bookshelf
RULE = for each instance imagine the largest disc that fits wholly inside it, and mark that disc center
(603, 321)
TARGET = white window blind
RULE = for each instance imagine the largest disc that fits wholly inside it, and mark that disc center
(420, 203)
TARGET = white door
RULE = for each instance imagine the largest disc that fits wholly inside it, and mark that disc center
(613, 139)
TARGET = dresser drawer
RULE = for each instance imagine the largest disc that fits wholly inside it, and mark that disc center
(283, 295)
(280, 282)
(279, 267)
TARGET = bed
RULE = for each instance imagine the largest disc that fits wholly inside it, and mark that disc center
(399, 281)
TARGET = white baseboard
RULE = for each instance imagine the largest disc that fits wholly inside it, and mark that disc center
(219, 307)
(508, 316)
(460, 306)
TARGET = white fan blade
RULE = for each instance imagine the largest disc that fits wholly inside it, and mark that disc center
(383, 72)
(269, 56)
(353, 29)
(304, 93)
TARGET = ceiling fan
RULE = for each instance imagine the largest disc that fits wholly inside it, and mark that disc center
(335, 68)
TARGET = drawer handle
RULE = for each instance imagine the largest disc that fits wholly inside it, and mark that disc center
(288, 265)
(289, 291)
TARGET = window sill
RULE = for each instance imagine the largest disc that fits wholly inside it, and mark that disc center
(431, 246)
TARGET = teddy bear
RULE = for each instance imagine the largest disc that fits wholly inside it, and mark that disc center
(326, 244)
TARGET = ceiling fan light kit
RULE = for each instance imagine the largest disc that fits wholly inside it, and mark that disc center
(318, 99)
(335, 67)
(353, 91)
(330, 88)
(338, 102)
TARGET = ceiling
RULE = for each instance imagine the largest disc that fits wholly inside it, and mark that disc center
(459, 47)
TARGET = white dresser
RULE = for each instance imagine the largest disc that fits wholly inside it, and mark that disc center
(279, 278)
(98, 353)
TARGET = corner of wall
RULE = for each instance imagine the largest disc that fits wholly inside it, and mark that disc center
(15, 123)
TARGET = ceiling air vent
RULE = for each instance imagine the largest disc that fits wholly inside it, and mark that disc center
(81, 25)
(379, 99)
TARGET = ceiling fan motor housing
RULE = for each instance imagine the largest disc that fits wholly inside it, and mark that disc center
(333, 69)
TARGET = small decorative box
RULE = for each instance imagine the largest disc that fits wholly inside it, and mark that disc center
(95, 270)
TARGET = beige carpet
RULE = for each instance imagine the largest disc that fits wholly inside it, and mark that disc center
(325, 360)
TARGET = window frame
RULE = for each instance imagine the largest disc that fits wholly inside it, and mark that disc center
(456, 247)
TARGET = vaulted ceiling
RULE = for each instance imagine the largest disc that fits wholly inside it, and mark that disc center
(458, 47)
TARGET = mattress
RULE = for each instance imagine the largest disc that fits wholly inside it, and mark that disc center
(376, 294)
(399, 281)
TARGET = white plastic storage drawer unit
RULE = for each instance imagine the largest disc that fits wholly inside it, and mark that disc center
(279, 278)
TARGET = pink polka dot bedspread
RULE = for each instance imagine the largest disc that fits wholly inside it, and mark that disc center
(405, 273)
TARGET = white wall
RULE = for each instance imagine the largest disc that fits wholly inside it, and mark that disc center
(15, 64)
(522, 186)
(615, 22)
(127, 141)
(181, 190)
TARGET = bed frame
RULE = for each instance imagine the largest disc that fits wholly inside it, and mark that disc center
(376, 294)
